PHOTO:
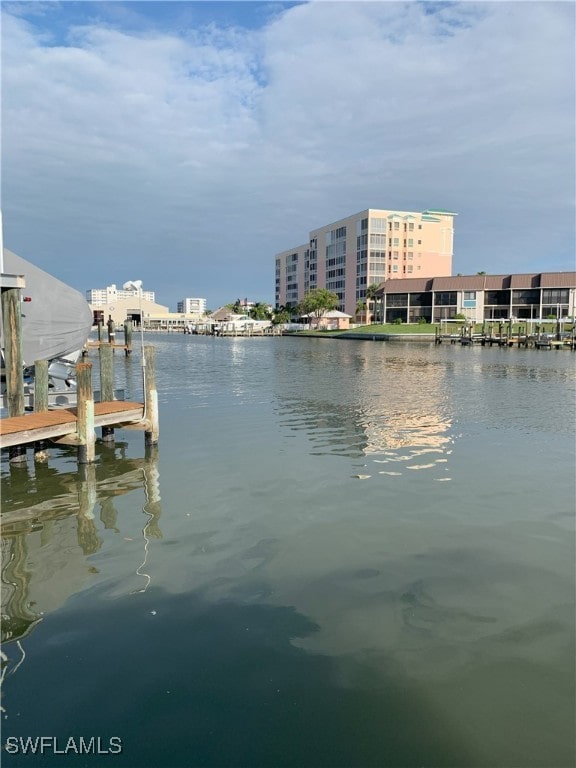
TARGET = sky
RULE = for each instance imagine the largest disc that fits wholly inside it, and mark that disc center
(184, 144)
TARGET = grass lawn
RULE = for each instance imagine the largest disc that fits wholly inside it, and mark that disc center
(452, 328)
(393, 328)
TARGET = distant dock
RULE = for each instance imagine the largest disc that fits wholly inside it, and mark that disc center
(505, 337)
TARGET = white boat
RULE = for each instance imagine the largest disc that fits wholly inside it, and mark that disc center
(242, 324)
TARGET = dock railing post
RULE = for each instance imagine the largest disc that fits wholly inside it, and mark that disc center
(151, 435)
(85, 414)
(106, 354)
(40, 403)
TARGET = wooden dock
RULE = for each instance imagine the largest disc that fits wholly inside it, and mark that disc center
(61, 424)
(71, 425)
(507, 338)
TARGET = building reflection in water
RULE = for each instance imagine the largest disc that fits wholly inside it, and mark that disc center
(52, 522)
(366, 404)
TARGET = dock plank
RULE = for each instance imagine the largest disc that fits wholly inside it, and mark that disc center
(32, 427)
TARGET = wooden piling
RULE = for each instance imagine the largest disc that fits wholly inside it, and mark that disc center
(13, 361)
(87, 532)
(111, 330)
(150, 397)
(85, 414)
(106, 355)
(128, 337)
(40, 404)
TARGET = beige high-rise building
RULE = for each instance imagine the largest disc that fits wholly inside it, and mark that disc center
(366, 248)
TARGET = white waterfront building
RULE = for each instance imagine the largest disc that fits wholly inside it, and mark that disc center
(192, 306)
(103, 297)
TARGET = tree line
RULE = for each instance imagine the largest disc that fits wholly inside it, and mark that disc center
(314, 304)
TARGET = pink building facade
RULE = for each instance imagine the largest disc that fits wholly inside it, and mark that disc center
(364, 249)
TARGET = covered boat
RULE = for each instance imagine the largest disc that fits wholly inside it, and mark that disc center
(57, 320)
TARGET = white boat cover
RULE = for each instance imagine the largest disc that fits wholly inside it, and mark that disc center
(58, 319)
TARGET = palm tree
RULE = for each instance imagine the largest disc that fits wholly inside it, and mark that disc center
(360, 307)
(370, 296)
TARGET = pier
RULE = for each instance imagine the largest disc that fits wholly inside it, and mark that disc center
(74, 424)
(504, 334)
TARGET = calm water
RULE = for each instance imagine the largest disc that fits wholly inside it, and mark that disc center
(341, 554)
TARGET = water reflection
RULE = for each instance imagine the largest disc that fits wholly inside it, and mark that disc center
(359, 403)
(47, 542)
(298, 616)
(237, 692)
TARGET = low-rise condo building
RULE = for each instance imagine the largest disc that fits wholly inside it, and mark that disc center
(363, 249)
(533, 296)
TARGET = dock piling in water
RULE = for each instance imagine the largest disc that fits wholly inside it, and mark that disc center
(150, 397)
(13, 361)
(40, 404)
(85, 414)
(128, 326)
(106, 354)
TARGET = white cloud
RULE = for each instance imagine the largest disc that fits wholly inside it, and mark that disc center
(214, 147)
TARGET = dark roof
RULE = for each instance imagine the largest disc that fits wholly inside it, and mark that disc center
(479, 282)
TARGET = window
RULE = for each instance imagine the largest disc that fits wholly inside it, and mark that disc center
(419, 242)
(396, 241)
(378, 225)
(410, 242)
(445, 298)
(410, 255)
(555, 296)
(396, 225)
(419, 226)
(395, 254)
(411, 227)
(395, 268)
(469, 294)
(410, 268)
(497, 298)
(397, 300)
(526, 297)
(377, 240)
(421, 299)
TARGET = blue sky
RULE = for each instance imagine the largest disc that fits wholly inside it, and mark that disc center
(184, 144)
